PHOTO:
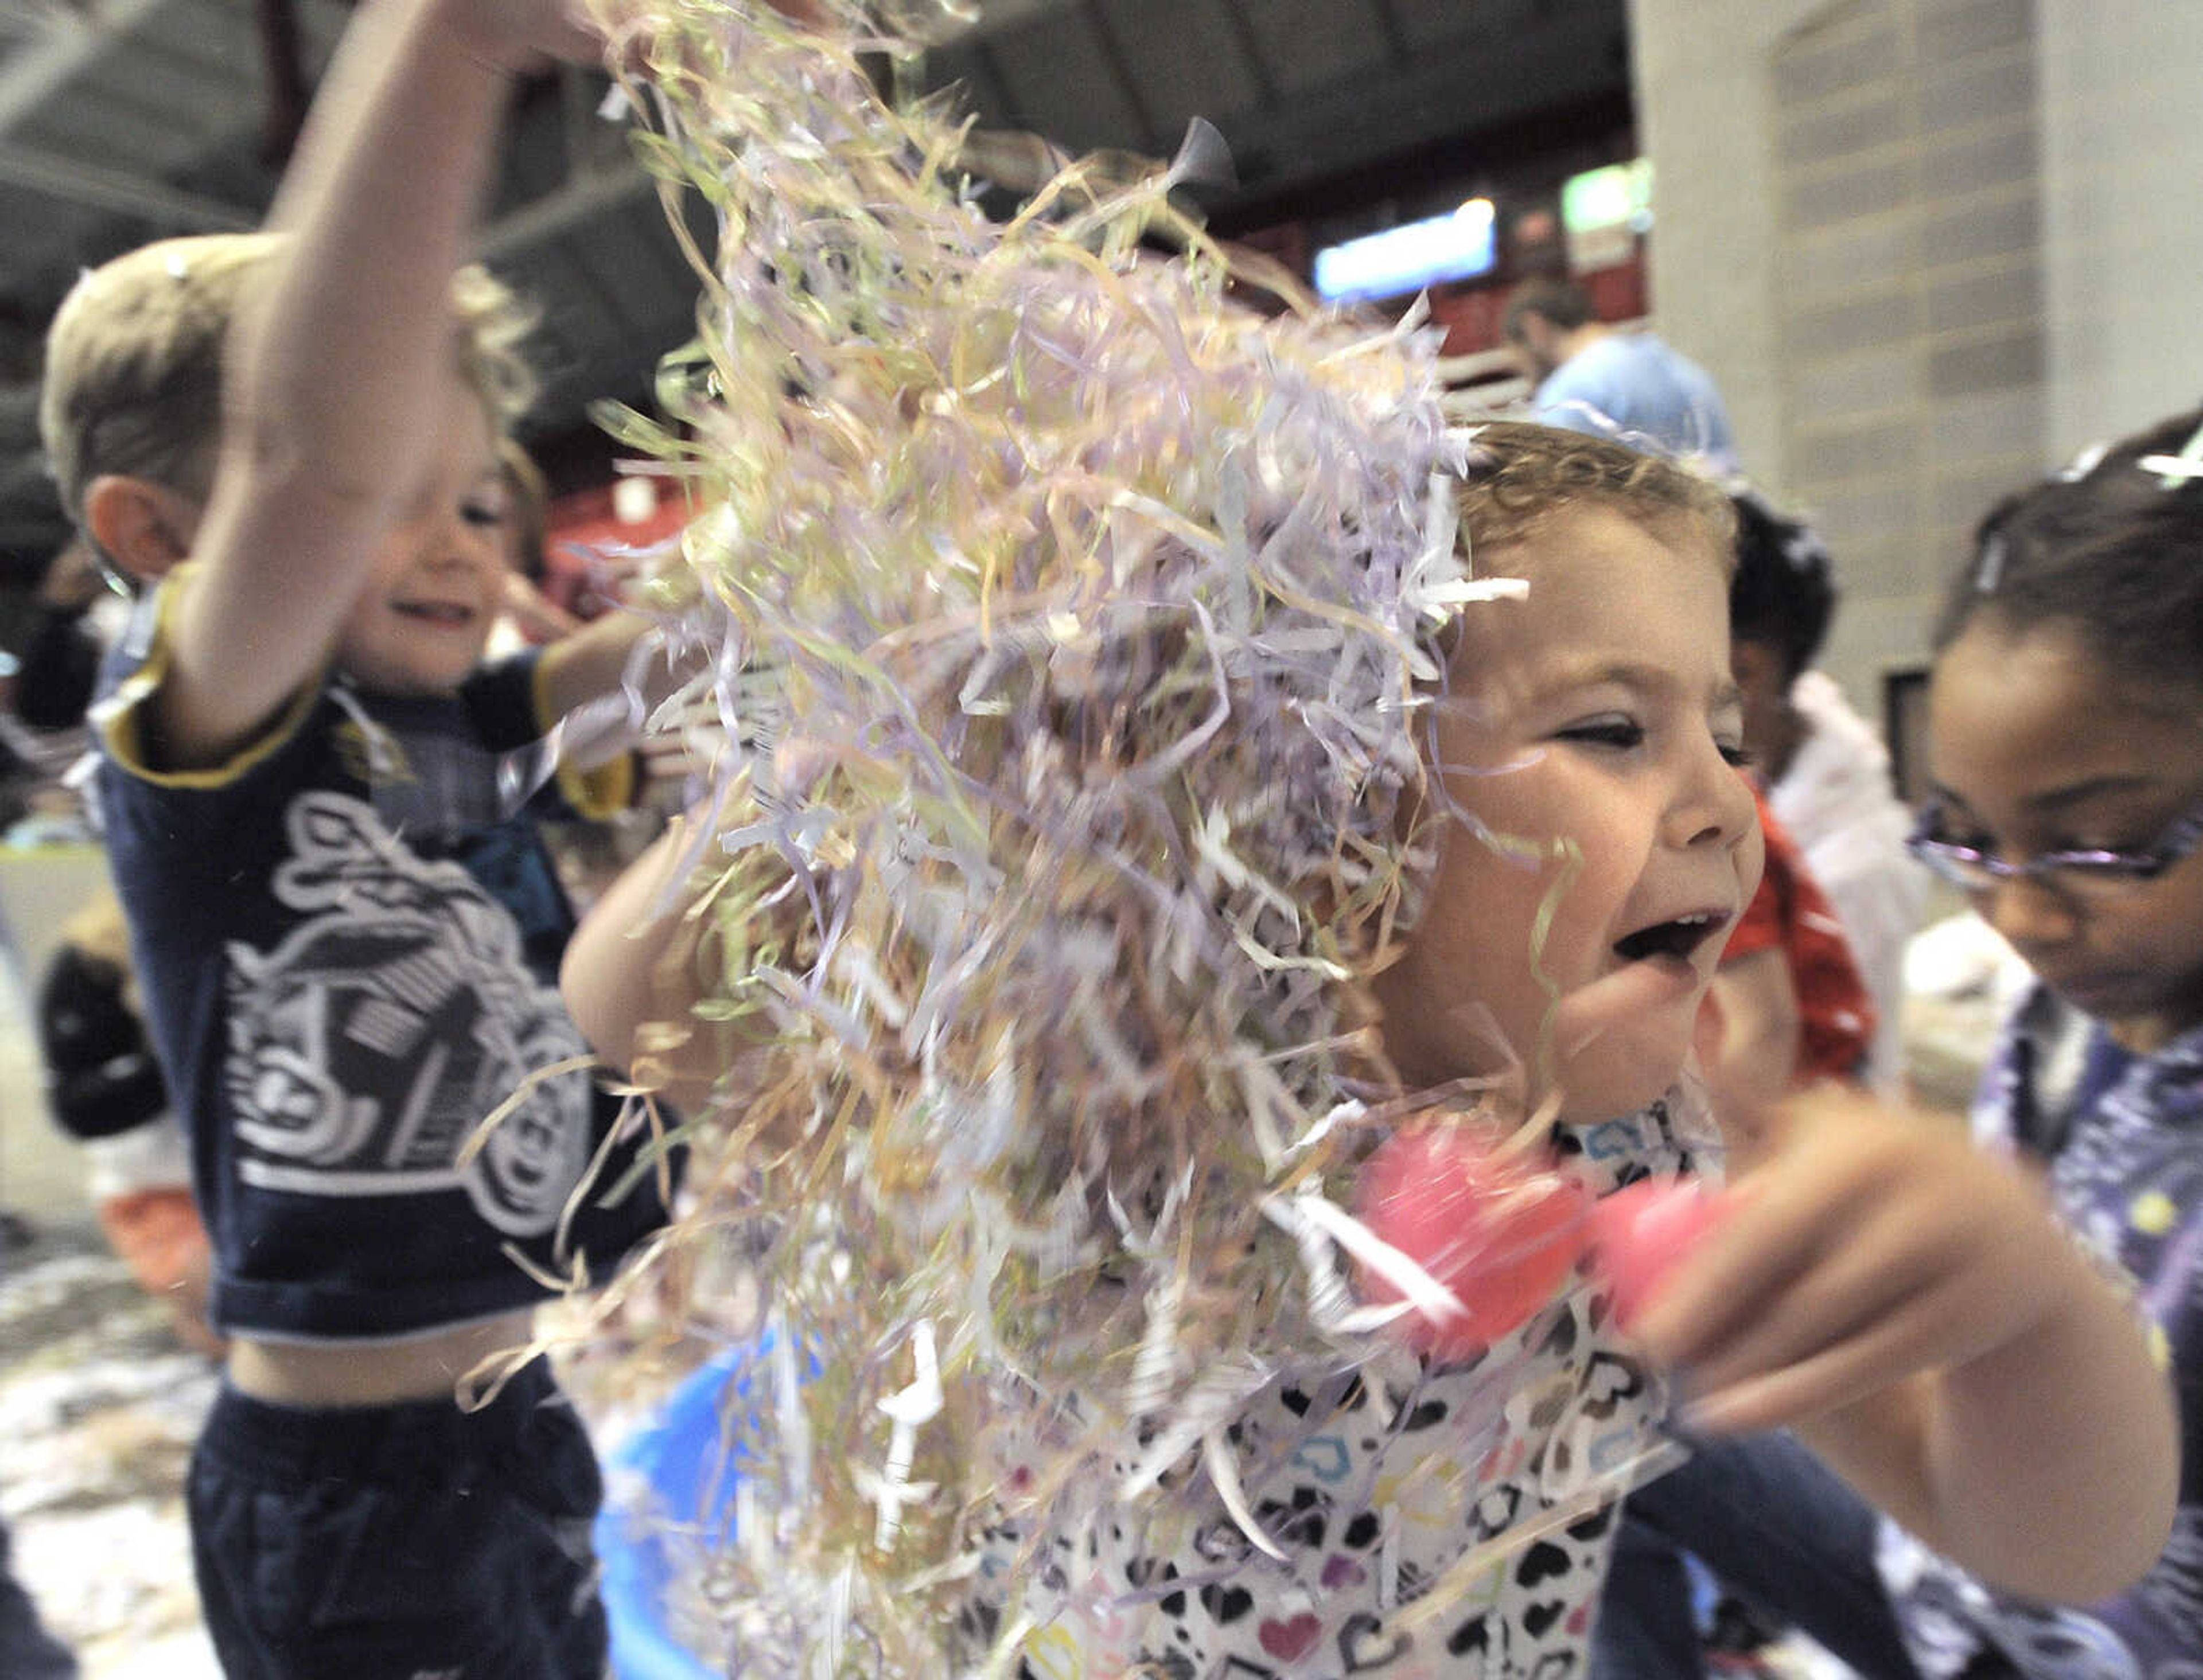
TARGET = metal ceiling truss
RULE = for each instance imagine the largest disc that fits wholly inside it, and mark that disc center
(148, 117)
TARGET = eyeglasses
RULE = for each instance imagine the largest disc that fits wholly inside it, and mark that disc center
(2088, 872)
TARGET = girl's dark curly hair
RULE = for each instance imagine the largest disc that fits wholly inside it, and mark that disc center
(2109, 546)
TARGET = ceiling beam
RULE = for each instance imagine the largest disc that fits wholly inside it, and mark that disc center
(1120, 73)
(583, 196)
(74, 43)
(1436, 112)
(1388, 25)
(1250, 55)
(88, 184)
(997, 15)
(993, 90)
(287, 91)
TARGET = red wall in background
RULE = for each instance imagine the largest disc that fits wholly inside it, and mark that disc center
(1472, 314)
(581, 539)
(581, 524)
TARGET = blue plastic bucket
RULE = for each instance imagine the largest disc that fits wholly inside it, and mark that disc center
(678, 1457)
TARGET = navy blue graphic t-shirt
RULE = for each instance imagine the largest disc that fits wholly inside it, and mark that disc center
(347, 939)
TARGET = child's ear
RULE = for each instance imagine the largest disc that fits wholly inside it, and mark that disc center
(142, 527)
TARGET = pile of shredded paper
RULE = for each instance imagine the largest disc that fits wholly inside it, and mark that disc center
(1074, 607)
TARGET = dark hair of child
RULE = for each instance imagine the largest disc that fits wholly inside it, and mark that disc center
(1782, 595)
(2112, 546)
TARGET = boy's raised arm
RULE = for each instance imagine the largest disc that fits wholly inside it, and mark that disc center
(335, 373)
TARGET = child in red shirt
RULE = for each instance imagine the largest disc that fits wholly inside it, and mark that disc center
(1834, 1016)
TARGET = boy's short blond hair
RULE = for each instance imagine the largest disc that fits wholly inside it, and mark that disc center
(1519, 476)
(135, 359)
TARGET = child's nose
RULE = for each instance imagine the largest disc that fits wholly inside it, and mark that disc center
(1715, 806)
(457, 541)
(2031, 913)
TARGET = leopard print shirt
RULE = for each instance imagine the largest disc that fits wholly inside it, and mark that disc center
(1377, 1481)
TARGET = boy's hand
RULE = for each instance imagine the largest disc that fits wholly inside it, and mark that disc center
(1867, 1244)
(519, 36)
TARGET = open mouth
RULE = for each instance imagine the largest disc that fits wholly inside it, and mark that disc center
(1679, 939)
(447, 614)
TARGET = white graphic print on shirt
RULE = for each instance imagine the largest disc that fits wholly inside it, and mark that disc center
(366, 1048)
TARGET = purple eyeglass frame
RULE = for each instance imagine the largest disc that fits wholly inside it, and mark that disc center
(1970, 867)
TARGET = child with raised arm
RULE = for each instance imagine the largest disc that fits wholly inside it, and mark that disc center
(345, 928)
(1581, 841)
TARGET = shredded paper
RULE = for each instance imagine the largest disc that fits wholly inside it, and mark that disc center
(1074, 588)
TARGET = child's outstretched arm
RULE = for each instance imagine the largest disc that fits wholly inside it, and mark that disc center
(635, 970)
(600, 659)
(336, 371)
(1911, 1305)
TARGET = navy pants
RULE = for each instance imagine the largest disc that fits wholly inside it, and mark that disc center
(388, 1542)
(1780, 1529)
(27, 1651)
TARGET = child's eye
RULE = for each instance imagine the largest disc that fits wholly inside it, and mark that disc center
(2077, 843)
(1620, 734)
(1735, 755)
(483, 515)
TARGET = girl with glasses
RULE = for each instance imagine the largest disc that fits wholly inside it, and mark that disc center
(2066, 735)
